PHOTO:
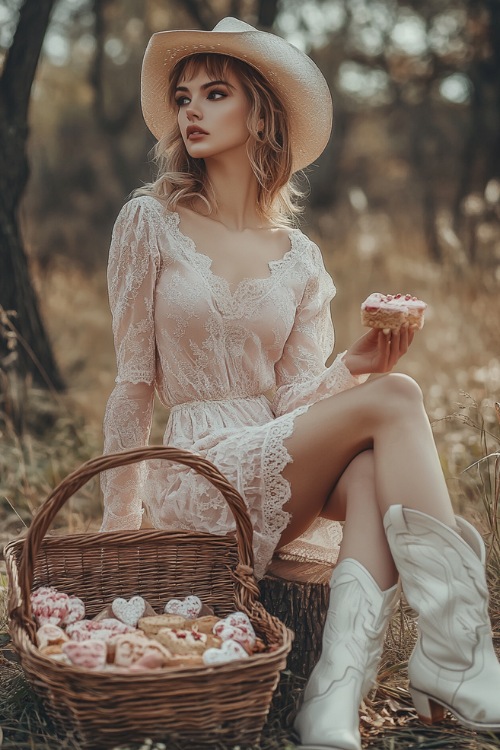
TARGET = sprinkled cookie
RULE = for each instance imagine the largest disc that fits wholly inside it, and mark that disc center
(186, 641)
(90, 654)
(129, 612)
(190, 607)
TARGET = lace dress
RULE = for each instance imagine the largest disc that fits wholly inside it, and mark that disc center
(235, 367)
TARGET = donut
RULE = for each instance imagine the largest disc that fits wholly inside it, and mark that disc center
(391, 311)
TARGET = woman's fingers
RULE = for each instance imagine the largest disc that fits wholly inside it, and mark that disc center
(392, 345)
(384, 347)
(395, 352)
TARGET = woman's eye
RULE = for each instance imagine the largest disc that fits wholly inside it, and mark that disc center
(181, 100)
(216, 94)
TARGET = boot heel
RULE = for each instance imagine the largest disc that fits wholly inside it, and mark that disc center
(429, 712)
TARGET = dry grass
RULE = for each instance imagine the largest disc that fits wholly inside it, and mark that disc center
(455, 359)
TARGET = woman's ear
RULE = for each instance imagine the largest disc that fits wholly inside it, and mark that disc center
(260, 126)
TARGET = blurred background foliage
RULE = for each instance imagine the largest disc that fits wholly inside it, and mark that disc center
(417, 112)
(405, 198)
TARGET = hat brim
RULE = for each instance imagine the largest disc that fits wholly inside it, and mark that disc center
(291, 74)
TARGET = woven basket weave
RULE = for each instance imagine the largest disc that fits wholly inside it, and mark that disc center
(207, 706)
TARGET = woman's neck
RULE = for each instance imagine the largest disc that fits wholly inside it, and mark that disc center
(235, 188)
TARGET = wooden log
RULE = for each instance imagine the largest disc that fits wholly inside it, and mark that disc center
(298, 593)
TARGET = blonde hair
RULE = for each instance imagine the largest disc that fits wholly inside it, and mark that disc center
(184, 180)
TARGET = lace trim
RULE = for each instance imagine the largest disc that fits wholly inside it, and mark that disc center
(248, 292)
(278, 490)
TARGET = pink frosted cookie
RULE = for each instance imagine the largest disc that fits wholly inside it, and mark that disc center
(391, 311)
(49, 606)
(90, 654)
(76, 610)
(101, 630)
(237, 627)
(53, 607)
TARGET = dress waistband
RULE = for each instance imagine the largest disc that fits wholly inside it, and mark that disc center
(204, 402)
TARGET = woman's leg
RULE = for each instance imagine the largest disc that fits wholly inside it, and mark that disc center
(387, 415)
(364, 537)
(453, 666)
(362, 599)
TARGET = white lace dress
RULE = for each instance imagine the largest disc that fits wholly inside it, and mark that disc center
(214, 356)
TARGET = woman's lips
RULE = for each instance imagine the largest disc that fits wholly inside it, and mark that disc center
(194, 133)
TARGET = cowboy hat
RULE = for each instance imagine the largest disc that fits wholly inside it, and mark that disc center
(290, 73)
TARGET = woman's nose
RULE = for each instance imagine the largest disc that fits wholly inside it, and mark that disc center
(193, 113)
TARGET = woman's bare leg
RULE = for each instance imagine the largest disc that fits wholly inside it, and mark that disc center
(387, 415)
(364, 537)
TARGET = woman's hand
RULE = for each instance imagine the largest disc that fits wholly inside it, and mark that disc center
(377, 352)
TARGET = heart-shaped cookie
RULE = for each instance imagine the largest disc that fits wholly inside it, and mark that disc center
(190, 607)
(129, 611)
(229, 651)
(89, 654)
(240, 635)
(237, 627)
(239, 619)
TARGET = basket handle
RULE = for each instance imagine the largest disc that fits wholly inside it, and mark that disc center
(247, 591)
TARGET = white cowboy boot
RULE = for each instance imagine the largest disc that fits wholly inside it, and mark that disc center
(453, 665)
(353, 638)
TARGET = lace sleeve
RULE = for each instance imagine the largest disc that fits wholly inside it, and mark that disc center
(301, 374)
(132, 270)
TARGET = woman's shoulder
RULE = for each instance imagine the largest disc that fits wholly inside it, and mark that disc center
(146, 205)
(310, 251)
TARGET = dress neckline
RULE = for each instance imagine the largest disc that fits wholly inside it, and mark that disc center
(204, 262)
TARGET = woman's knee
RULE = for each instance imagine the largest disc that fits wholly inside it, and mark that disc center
(396, 391)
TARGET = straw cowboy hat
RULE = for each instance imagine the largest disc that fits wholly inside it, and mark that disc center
(292, 75)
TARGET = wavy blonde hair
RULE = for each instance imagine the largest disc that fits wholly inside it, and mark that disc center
(183, 180)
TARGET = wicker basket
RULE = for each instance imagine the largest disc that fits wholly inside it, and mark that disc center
(207, 706)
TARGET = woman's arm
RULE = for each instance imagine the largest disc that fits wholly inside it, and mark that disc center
(301, 374)
(132, 271)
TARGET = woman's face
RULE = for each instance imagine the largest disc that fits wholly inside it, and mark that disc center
(212, 115)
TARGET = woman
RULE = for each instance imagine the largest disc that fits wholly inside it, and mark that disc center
(224, 310)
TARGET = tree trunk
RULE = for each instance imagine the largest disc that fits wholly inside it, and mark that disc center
(298, 594)
(16, 290)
